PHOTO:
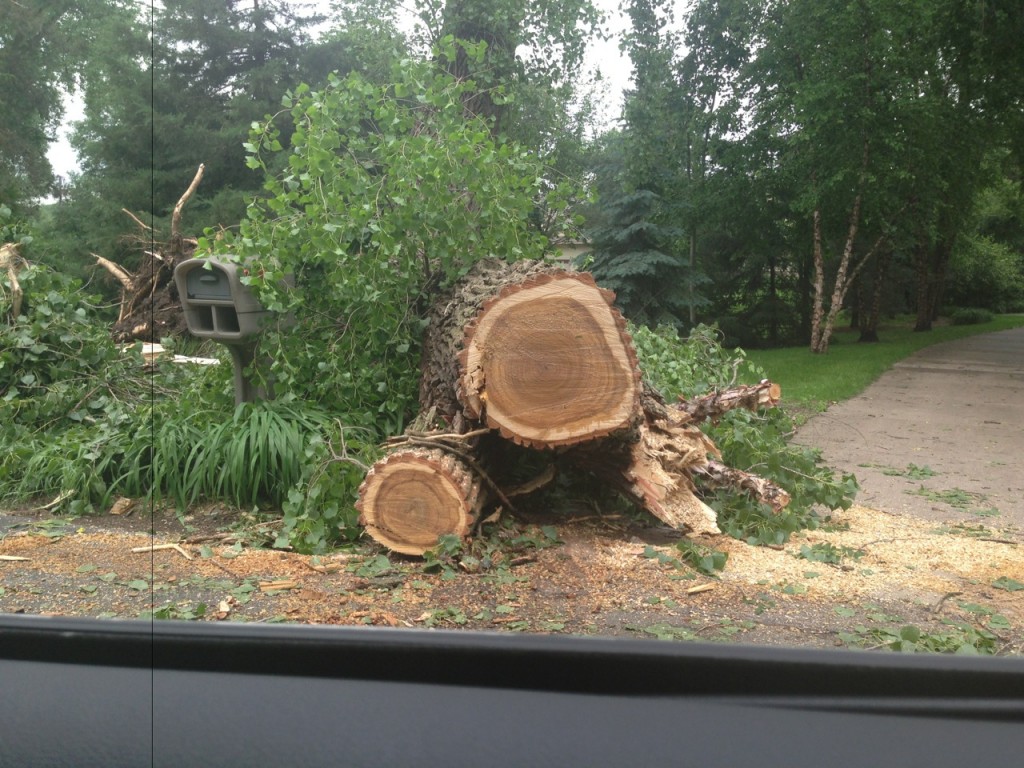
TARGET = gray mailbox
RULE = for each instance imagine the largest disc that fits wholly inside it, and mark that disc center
(217, 306)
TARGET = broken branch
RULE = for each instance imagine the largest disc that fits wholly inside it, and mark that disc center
(158, 547)
(176, 216)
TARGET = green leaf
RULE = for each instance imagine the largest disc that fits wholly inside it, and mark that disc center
(1010, 585)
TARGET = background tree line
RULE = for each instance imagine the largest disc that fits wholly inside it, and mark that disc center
(782, 160)
(776, 161)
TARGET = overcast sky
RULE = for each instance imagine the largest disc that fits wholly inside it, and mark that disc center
(615, 69)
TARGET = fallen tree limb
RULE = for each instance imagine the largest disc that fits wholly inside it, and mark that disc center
(713, 406)
(159, 547)
(150, 308)
(176, 215)
(714, 474)
(142, 225)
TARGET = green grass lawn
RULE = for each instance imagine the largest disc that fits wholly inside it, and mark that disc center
(811, 381)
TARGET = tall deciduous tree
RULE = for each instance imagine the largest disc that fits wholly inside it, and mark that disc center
(834, 89)
(42, 47)
(530, 47)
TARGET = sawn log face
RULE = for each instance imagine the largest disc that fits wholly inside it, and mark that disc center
(537, 353)
(416, 495)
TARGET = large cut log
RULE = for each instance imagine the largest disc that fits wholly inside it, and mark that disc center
(533, 351)
(416, 495)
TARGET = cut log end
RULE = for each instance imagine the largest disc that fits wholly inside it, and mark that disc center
(548, 363)
(415, 496)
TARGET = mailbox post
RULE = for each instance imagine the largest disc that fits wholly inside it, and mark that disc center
(218, 306)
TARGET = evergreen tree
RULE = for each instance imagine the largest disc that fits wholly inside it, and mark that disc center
(632, 256)
(156, 108)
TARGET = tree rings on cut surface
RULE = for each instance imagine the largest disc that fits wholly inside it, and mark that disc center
(548, 363)
(414, 496)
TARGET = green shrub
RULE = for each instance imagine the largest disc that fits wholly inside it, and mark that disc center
(387, 192)
(58, 335)
(970, 316)
(984, 272)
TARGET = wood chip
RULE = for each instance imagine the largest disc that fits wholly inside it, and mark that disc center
(278, 585)
(328, 568)
(14, 558)
(700, 588)
(159, 547)
(123, 506)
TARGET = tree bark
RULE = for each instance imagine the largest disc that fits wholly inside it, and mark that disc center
(869, 329)
(9, 262)
(818, 307)
(924, 309)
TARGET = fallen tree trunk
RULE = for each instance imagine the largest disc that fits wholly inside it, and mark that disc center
(532, 356)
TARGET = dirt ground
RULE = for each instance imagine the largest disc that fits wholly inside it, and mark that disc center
(936, 561)
(604, 577)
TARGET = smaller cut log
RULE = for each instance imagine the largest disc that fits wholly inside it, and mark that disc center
(416, 495)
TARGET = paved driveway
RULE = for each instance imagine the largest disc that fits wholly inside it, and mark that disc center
(940, 435)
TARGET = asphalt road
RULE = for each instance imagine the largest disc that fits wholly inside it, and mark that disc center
(939, 436)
